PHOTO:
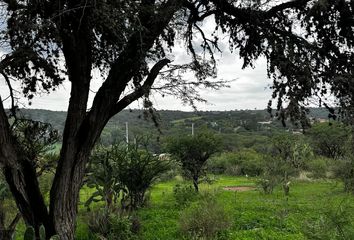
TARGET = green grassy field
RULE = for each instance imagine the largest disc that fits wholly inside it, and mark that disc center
(254, 215)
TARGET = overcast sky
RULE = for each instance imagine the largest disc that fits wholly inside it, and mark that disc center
(249, 90)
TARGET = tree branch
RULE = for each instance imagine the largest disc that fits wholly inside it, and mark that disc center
(13, 106)
(14, 222)
(129, 61)
(141, 91)
(281, 7)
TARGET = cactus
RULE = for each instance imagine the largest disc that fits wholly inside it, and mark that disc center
(42, 234)
(55, 237)
(30, 234)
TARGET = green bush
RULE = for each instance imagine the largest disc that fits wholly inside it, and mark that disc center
(173, 171)
(184, 194)
(110, 226)
(244, 162)
(205, 219)
(344, 170)
(336, 222)
(267, 183)
(318, 167)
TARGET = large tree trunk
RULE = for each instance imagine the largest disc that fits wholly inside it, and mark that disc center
(82, 128)
(21, 177)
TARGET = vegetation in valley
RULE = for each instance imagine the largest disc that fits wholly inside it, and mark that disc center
(78, 181)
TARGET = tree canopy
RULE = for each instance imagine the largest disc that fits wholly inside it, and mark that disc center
(307, 43)
(192, 152)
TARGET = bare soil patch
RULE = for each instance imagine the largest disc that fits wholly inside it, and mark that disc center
(239, 188)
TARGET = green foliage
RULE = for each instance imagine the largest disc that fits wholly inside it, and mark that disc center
(193, 152)
(318, 167)
(110, 226)
(286, 159)
(35, 138)
(335, 222)
(137, 169)
(330, 139)
(101, 175)
(204, 219)
(30, 234)
(344, 170)
(184, 194)
(244, 162)
(125, 172)
(4, 189)
(268, 183)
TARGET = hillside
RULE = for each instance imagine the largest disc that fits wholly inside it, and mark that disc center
(245, 122)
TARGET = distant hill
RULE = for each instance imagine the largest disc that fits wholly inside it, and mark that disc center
(249, 120)
(239, 126)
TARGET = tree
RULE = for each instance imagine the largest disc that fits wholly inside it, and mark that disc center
(48, 41)
(101, 175)
(137, 169)
(330, 140)
(287, 158)
(193, 152)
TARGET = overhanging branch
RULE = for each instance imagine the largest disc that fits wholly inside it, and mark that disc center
(12, 96)
(142, 90)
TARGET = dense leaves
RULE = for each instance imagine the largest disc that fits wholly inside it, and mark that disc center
(193, 151)
(307, 43)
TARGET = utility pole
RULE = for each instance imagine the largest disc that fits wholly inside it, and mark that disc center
(126, 132)
(192, 129)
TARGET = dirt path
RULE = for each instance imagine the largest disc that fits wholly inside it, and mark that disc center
(239, 188)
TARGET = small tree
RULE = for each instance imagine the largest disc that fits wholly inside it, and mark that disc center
(101, 175)
(287, 157)
(125, 171)
(193, 152)
(137, 168)
(330, 140)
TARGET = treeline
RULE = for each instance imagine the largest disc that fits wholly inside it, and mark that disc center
(168, 122)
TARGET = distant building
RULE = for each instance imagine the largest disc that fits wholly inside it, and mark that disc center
(265, 123)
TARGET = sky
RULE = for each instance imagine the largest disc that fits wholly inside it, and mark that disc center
(249, 90)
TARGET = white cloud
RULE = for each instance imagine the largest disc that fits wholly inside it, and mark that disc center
(249, 90)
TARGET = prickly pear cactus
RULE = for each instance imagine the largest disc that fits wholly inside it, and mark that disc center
(29, 234)
(42, 232)
(55, 237)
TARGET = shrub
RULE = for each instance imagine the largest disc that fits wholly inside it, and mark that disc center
(137, 169)
(344, 170)
(173, 171)
(267, 183)
(110, 226)
(204, 219)
(184, 194)
(336, 222)
(123, 172)
(243, 162)
(318, 167)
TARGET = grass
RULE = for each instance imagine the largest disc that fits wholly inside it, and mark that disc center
(254, 215)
